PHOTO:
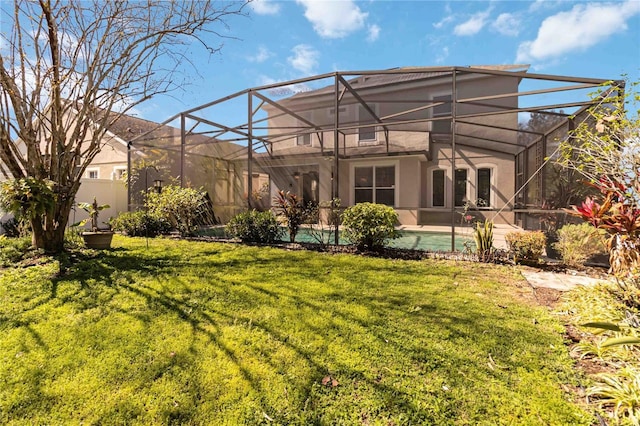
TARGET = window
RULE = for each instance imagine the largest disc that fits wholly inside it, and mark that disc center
(437, 186)
(484, 188)
(375, 184)
(385, 185)
(366, 134)
(341, 110)
(93, 173)
(304, 139)
(520, 201)
(444, 110)
(460, 187)
(119, 172)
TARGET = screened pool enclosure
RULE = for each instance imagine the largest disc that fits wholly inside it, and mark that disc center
(436, 143)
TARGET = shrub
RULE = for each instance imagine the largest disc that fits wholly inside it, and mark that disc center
(181, 207)
(576, 243)
(73, 239)
(369, 225)
(15, 228)
(140, 224)
(327, 215)
(527, 245)
(27, 197)
(483, 237)
(254, 226)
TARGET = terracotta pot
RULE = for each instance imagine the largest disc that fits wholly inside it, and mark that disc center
(98, 239)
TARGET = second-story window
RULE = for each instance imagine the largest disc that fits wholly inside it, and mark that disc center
(304, 139)
(366, 134)
(442, 110)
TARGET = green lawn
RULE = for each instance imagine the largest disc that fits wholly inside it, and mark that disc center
(205, 333)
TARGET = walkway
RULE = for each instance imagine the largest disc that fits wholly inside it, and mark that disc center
(557, 281)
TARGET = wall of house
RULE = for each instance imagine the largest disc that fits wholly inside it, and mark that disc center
(413, 172)
(502, 184)
(413, 181)
(282, 174)
(399, 98)
(110, 161)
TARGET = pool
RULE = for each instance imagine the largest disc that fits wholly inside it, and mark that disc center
(432, 241)
(416, 240)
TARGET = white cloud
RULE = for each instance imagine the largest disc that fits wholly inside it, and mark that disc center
(262, 55)
(578, 29)
(473, 25)
(334, 19)
(507, 24)
(265, 80)
(539, 5)
(264, 7)
(304, 59)
(374, 33)
(441, 23)
(443, 55)
(449, 17)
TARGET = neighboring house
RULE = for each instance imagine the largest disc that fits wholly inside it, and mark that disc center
(156, 156)
(395, 144)
(103, 179)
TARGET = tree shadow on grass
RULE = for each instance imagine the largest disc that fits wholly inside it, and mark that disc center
(100, 273)
(118, 271)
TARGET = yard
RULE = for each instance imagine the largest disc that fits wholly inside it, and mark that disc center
(207, 333)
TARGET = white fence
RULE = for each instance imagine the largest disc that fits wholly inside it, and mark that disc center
(106, 191)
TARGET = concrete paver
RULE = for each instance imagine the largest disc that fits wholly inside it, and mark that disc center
(557, 281)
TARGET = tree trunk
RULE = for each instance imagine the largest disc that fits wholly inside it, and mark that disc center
(54, 240)
(37, 233)
(48, 230)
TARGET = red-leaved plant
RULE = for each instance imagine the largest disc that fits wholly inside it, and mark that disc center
(619, 215)
(292, 209)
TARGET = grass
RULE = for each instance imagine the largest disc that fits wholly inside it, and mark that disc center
(203, 333)
(616, 389)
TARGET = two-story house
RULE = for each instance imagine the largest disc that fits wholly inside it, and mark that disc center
(395, 143)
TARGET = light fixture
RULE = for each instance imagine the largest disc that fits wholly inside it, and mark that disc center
(157, 185)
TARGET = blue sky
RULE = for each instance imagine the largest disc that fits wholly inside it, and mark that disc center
(282, 40)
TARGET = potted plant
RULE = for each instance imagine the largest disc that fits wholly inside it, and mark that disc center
(96, 238)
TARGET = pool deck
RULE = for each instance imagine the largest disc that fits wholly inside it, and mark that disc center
(499, 231)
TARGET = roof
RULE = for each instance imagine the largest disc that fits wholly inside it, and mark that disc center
(398, 75)
(128, 127)
(144, 133)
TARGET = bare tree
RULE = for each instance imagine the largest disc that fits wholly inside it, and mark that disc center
(70, 68)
